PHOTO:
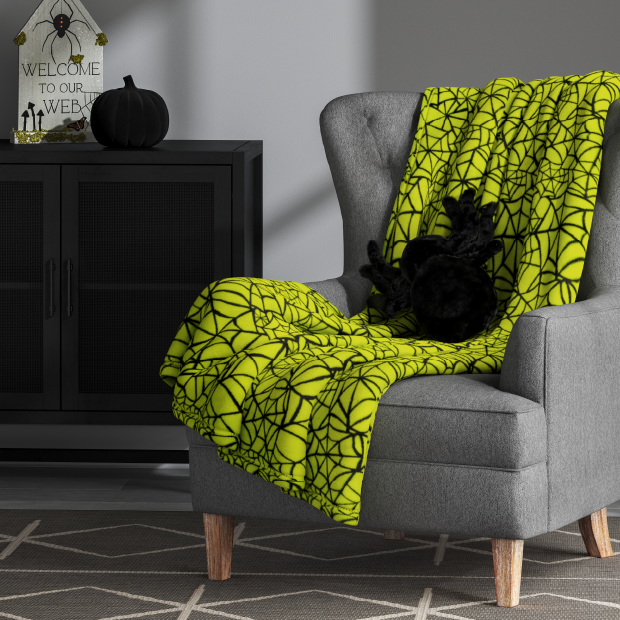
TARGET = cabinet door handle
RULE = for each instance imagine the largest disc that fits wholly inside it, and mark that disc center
(69, 269)
(52, 306)
(51, 278)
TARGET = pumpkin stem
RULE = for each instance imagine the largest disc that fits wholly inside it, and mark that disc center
(129, 82)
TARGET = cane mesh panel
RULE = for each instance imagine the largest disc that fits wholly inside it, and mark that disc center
(21, 286)
(145, 254)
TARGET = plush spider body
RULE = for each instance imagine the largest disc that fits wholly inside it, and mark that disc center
(61, 23)
(442, 278)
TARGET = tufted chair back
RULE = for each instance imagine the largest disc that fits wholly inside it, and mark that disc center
(368, 138)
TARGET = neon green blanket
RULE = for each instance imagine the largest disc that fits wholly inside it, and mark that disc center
(288, 387)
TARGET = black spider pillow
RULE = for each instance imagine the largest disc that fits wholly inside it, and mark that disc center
(441, 278)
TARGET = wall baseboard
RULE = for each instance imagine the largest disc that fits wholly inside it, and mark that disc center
(613, 510)
(94, 456)
(92, 437)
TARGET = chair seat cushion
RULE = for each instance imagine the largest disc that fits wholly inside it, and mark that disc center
(453, 419)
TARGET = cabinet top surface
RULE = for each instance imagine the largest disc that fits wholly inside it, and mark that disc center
(166, 152)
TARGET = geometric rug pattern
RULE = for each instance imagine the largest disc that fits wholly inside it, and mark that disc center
(112, 565)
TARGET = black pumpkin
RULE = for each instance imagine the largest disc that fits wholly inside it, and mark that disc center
(129, 117)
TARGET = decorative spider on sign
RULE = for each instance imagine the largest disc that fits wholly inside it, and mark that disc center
(61, 23)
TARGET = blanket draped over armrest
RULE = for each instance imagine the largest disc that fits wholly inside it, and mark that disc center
(288, 387)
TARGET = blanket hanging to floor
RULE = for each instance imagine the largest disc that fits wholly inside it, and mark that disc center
(288, 387)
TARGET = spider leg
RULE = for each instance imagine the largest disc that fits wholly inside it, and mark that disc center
(470, 226)
(379, 263)
(487, 228)
(71, 9)
(454, 212)
(457, 217)
(366, 271)
(78, 41)
(53, 7)
(391, 309)
(387, 279)
(472, 221)
(376, 278)
(492, 249)
(46, 38)
(468, 195)
(397, 299)
(71, 44)
(45, 21)
(402, 295)
(52, 47)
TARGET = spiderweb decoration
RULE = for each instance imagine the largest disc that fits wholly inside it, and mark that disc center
(86, 107)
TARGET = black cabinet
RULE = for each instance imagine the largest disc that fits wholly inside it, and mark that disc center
(103, 253)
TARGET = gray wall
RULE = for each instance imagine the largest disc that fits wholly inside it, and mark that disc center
(264, 69)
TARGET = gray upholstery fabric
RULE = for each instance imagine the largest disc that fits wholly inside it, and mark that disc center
(367, 139)
(348, 293)
(424, 498)
(334, 291)
(566, 359)
(462, 419)
(509, 456)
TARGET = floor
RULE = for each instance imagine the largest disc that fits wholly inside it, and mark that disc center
(104, 486)
(95, 486)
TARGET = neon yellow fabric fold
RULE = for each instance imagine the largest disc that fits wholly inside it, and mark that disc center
(288, 387)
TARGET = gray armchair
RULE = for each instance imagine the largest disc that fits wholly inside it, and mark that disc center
(507, 456)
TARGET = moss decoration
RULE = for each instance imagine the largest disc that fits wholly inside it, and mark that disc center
(57, 136)
(101, 39)
(77, 59)
(25, 137)
(20, 39)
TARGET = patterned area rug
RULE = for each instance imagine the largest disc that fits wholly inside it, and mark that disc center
(93, 565)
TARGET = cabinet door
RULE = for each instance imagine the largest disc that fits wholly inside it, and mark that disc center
(29, 267)
(139, 244)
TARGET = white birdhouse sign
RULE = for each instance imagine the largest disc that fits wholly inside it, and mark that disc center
(60, 74)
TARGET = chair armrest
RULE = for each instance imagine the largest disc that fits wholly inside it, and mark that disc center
(348, 292)
(566, 358)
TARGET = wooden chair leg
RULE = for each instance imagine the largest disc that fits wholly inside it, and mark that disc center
(219, 532)
(394, 534)
(595, 534)
(507, 561)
